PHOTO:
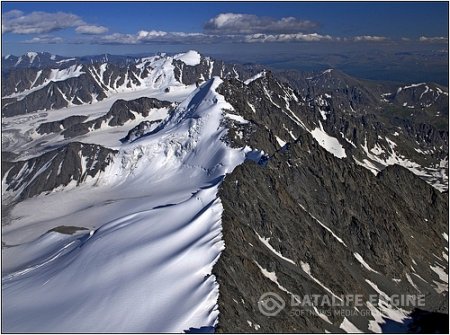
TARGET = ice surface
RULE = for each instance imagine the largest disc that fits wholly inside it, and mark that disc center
(349, 327)
(440, 271)
(64, 60)
(409, 279)
(265, 241)
(329, 143)
(412, 86)
(280, 142)
(256, 76)
(237, 118)
(307, 268)
(273, 277)
(391, 312)
(24, 125)
(363, 262)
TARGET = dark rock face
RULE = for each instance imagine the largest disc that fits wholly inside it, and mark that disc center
(72, 162)
(113, 76)
(263, 103)
(19, 80)
(92, 84)
(369, 125)
(421, 95)
(346, 92)
(209, 68)
(319, 212)
(55, 95)
(140, 129)
(349, 93)
(285, 201)
(57, 126)
(120, 112)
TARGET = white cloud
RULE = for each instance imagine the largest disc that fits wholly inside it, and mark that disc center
(158, 36)
(91, 30)
(299, 37)
(45, 39)
(116, 38)
(231, 23)
(173, 37)
(38, 22)
(155, 36)
(440, 39)
(369, 38)
(148, 35)
(12, 14)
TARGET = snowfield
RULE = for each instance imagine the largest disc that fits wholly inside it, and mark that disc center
(154, 234)
(329, 143)
(190, 58)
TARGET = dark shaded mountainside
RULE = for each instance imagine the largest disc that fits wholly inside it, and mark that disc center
(73, 162)
(350, 197)
(321, 213)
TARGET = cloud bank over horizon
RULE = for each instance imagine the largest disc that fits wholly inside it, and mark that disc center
(41, 28)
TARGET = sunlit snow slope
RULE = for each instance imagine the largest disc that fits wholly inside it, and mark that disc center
(155, 219)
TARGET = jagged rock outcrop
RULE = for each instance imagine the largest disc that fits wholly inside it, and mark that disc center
(289, 202)
(58, 126)
(120, 112)
(74, 162)
(208, 68)
(307, 222)
(55, 95)
(142, 128)
(374, 137)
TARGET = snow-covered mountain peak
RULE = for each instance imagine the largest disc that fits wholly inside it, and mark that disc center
(190, 58)
(190, 136)
(199, 101)
(31, 55)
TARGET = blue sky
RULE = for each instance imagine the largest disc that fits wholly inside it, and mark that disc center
(77, 28)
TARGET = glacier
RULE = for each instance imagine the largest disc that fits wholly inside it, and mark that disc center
(154, 233)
